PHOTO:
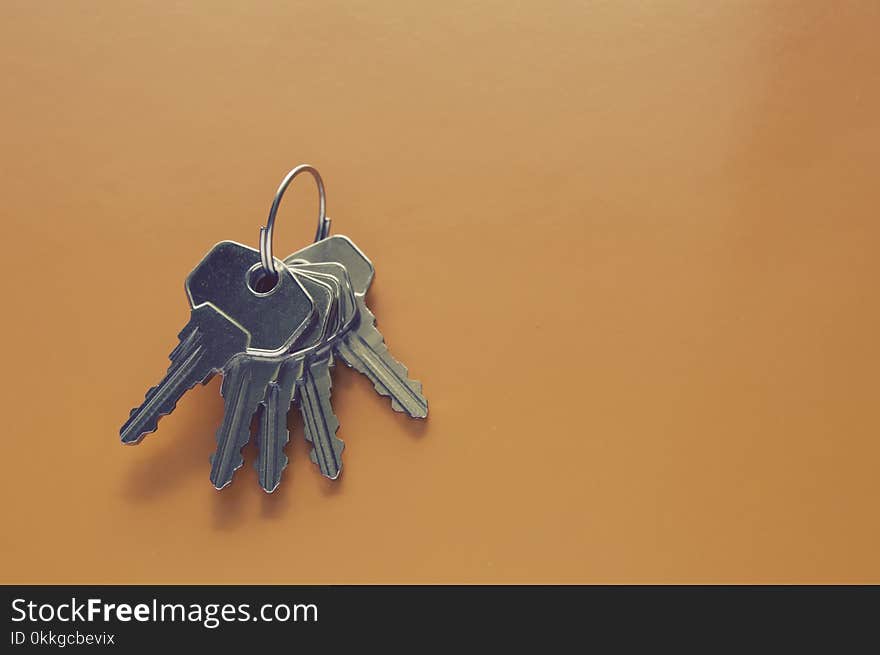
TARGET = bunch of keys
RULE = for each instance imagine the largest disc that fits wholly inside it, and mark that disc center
(273, 330)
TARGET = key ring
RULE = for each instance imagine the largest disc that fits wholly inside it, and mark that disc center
(266, 232)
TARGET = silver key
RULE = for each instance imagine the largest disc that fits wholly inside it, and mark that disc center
(311, 390)
(362, 347)
(272, 433)
(313, 386)
(235, 329)
(319, 421)
(313, 382)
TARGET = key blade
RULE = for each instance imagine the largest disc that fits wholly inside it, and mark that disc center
(206, 343)
(364, 350)
(272, 433)
(319, 422)
(245, 380)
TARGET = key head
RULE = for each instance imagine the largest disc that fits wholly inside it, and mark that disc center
(342, 250)
(347, 304)
(229, 280)
(323, 299)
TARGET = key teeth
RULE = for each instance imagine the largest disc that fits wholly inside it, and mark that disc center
(330, 466)
(270, 483)
(187, 351)
(270, 478)
(375, 340)
(134, 438)
(153, 425)
(419, 408)
(242, 377)
(421, 403)
(221, 482)
(225, 483)
(336, 470)
(422, 412)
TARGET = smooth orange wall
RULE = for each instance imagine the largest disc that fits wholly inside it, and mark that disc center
(630, 248)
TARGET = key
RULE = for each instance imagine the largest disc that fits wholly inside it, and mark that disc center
(235, 328)
(314, 383)
(362, 346)
(319, 421)
(272, 433)
(363, 349)
(312, 393)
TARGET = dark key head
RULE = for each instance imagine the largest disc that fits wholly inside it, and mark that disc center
(272, 311)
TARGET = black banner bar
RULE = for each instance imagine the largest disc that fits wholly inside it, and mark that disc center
(137, 618)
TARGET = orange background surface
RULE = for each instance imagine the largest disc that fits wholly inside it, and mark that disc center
(630, 248)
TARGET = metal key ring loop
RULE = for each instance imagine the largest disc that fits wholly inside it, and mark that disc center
(266, 232)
